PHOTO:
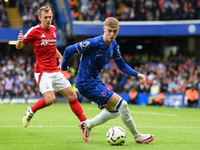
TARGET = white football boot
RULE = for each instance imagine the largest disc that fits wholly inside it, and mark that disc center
(144, 138)
(27, 117)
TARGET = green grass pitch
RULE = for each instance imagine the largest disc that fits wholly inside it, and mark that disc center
(57, 128)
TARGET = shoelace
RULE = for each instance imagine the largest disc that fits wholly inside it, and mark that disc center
(84, 129)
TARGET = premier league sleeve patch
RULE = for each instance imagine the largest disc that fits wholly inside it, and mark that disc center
(84, 44)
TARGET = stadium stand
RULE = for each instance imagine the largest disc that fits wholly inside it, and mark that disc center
(178, 73)
(4, 22)
(173, 74)
(28, 11)
(14, 18)
(144, 10)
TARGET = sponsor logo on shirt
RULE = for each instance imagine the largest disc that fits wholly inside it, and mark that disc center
(48, 42)
(118, 51)
(99, 55)
(43, 35)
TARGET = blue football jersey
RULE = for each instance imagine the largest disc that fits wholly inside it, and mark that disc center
(94, 55)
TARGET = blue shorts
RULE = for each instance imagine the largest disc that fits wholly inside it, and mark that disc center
(98, 93)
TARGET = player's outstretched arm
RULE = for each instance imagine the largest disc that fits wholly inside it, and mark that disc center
(125, 67)
(67, 55)
(128, 70)
(20, 44)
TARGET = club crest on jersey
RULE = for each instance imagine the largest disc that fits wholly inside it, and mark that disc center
(104, 94)
(47, 86)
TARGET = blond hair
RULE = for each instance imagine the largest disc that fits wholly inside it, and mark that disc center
(111, 22)
(45, 9)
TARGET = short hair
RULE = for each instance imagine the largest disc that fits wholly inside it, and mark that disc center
(111, 22)
(45, 9)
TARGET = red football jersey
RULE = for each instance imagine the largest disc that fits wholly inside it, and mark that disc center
(44, 45)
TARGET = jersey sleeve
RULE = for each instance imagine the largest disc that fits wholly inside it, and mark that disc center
(67, 55)
(29, 36)
(125, 67)
(86, 45)
(121, 64)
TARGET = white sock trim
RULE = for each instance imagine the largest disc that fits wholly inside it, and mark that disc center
(30, 110)
(119, 103)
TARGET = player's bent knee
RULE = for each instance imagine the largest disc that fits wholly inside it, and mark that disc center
(123, 105)
(50, 101)
(72, 97)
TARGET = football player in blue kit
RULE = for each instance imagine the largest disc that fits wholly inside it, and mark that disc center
(95, 53)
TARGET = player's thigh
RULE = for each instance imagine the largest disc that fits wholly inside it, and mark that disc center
(98, 93)
(44, 81)
(60, 82)
(113, 101)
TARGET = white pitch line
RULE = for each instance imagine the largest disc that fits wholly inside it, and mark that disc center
(168, 127)
(40, 127)
(153, 113)
(163, 127)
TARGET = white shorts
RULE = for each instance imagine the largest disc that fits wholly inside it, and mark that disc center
(54, 81)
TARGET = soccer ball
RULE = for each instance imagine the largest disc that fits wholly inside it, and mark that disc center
(116, 136)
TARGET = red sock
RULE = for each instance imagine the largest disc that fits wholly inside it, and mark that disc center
(77, 109)
(39, 105)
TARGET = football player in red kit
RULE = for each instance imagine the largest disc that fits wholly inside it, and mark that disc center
(46, 71)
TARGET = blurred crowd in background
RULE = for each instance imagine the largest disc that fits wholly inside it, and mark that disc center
(29, 11)
(4, 22)
(135, 10)
(98, 10)
(174, 75)
(17, 76)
